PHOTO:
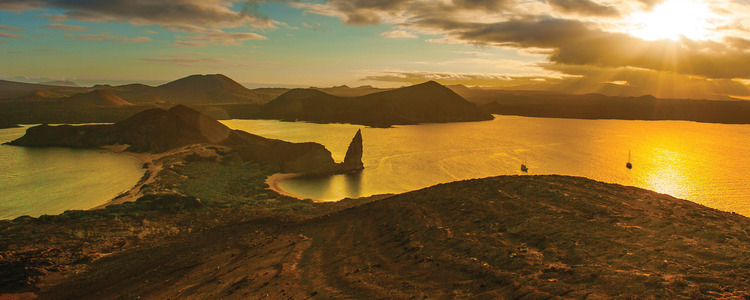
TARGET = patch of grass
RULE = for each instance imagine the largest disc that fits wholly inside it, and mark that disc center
(222, 184)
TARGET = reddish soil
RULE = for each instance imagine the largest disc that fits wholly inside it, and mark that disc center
(530, 237)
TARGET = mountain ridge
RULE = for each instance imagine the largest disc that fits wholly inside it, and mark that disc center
(428, 102)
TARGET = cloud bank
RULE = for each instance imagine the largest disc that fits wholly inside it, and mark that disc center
(569, 32)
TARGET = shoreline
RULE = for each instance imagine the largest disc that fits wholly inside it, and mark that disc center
(149, 175)
(273, 183)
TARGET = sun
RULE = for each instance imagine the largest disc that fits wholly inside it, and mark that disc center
(674, 19)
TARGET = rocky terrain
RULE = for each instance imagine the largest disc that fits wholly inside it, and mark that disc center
(203, 223)
(531, 237)
(157, 130)
(428, 102)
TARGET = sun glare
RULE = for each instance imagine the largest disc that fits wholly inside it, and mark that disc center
(674, 19)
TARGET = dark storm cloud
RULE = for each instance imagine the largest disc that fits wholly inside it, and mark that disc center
(584, 7)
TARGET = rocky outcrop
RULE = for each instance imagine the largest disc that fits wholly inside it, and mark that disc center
(157, 130)
(353, 159)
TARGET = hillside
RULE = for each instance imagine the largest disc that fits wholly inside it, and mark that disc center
(12, 89)
(509, 237)
(428, 102)
(60, 83)
(157, 131)
(204, 89)
(96, 98)
(346, 91)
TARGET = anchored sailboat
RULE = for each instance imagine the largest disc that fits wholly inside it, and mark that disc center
(628, 164)
(523, 166)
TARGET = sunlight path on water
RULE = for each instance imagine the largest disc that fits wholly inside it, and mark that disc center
(702, 162)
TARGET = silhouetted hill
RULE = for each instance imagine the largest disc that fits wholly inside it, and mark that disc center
(33, 97)
(598, 106)
(60, 83)
(270, 93)
(346, 91)
(205, 89)
(96, 98)
(157, 130)
(46, 99)
(428, 102)
(12, 89)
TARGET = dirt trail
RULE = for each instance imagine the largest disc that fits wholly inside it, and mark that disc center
(504, 237)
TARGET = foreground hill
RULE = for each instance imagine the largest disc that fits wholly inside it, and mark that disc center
(157, 130)
(510, 237)
(428, 102)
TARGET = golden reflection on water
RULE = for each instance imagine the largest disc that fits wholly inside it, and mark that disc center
(667, 178)
(704, 163)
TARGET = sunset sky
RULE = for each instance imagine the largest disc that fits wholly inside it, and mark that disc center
(668, 48)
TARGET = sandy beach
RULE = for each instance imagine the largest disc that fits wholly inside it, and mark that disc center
(152, 170)
(273, 183)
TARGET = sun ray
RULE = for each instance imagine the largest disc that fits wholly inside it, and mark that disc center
(674, 19)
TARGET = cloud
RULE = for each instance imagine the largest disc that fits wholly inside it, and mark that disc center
(185, 62)
(140, 39)
(65, 27)
(3, 27)
(187, 44)
(223, 38)
(576, 43)
(97, 37)
(150, 32)
(398, 34)
(55, 18)
(568, 32)
(195, 60)
(208, 13)
(586, 80)
(186, 28)
(9, 35)
(584, 7)
(413, 77)
(18, 5)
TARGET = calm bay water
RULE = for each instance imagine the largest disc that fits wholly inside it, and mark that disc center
(704, 163)
(36, 181)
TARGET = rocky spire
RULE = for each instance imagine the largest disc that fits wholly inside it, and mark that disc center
(353, 158)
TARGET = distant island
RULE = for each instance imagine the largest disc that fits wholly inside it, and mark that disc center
(598, 106)
(222, 98)
(428, 102)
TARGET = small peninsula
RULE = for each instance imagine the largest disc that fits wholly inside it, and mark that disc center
(158, 130)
